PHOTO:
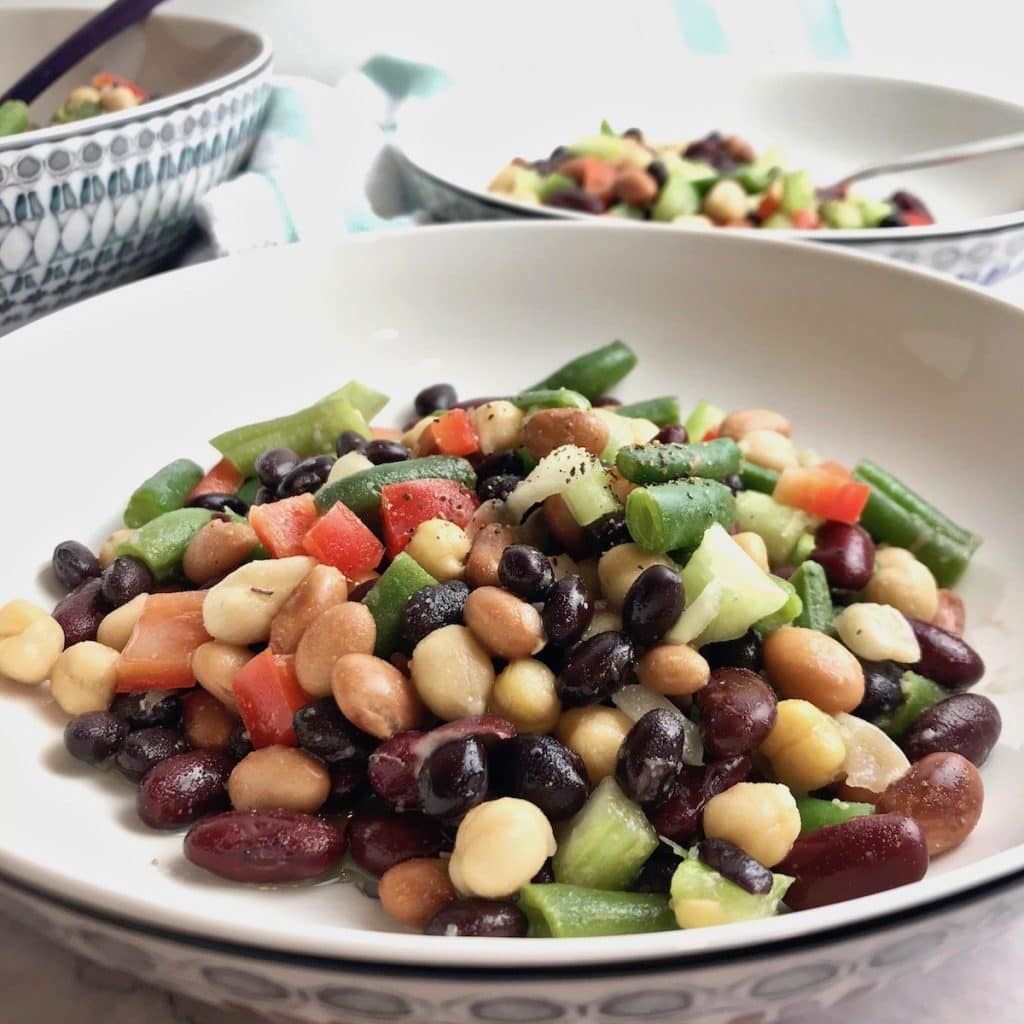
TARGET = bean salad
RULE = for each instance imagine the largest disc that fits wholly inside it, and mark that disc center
(714, 181)
(106, 93)
(540, 665)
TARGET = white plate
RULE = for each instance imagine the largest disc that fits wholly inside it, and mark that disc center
(867, 359)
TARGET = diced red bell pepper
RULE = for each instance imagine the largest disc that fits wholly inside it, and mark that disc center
(404, 506)
(340, 538)
(822, 493)
(224, 478)
(710, 435)
(806, 219)
(453, 434)
(594, 176)
(105, 78)
(282, 525)
(268, 694)
(914, 219)
(770, 204)
(158, 655)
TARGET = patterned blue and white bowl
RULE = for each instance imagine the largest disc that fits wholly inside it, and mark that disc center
(830, 122)
(92, 204)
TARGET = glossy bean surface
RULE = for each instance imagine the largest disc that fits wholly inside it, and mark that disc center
(596, 668)
(379, 841)
(81, 612)
(965, 723)
(736, 865)
(323, 730)
(545, 772)
(433, 608)
(651, 757)
(678, 817)
(744, 652)
(454, 778)
(94, 736)
(737, 710)
(479, 918)
(184, 788)
(146, 748)
(653, 604)
(568, 611)
(946, 658)
(846, 553)
(73, 563)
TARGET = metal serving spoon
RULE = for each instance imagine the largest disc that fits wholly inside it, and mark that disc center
(109, 22)
(933, 158)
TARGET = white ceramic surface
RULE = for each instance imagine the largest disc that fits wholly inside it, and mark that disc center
(94, 203)
(866, 358)
(829, 122)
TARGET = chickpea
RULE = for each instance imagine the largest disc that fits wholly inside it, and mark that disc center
(349, 464)
(323, 588)
(738, 425)
(753, 545)
(30, 642)
(805, 747)
(549, 429)
(498, 425)
(619, 567)
(374, 695)
(117, 97)
(347, 628)
(82, 95)
(116, 627)
(769, 449)
(524, 693)
(905, 583)
(499, 847)
(507, 626)
(208, 724)
(675, 670)
(877, 632)
(485, 555)
(279, 777)
(725, 202)
(873, 762)
(216, 549)
(453, 673)
(441, 548)
(760, 818)
(809, 665)
(596, 734)
(84, 678)
(108, 550)
(240, 609)
(415, 891)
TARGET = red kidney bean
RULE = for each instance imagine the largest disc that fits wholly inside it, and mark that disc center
(81, 612)
(348, 785)
(846, 553)
(856, 858)
(968, 724)
(94, 736)
(184, 788)
(596, 668)
(673, 433)
(736, 865)
(544, 772)
(678, 817)
(380, 841)
(737, 709)
(651, 757)
(479, 918)
(454, 778)
(575, 199)
(653, 604)
(264, 846)
(744, 652)
(146, 748)
(144, 709)
(568, 611)
(73, 564)
(946, 659)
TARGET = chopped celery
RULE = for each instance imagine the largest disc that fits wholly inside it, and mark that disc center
(388, 598)
(756, 177)
(552, 183)
(786, 614)
(872, 211)
(842, 213)
(748, 593)
(606, 843)
(697, 615)
(798, 192)
(348, 465)
(779, 526)
(815, 813)
(604, 147)
(572, 911)
(14, 117)
(701, 897)
(621, 432)
(678, 197)
(803, 548)
(919, 694)
(550, 476)
(590, 496)
(607, 129)
(626, 212)
(704, 417)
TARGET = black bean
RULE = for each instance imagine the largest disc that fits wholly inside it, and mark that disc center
(308, 476)
(95, 736)
(711, 150)
(219, 502)
(651, 757)
(575, 199)
(968, 724)
(323, 730)
(846, 553)
(744, 652)
(907, 202)
(882, 690)
(145, 709)
(737, 711)
(736, 865)
(239, 742)
(656, 874)
(454, 778)
(82, 611)
(633, 133)
(893, 220)
(436, 398)
(350, 441)
(608, 531)
(433, 607)
(479, 918)
(348, 785)
(146, 748)
(273, 465)
(678, 817)
(73, 564)
(264, 496)
(124, 579)
(735, 484)
(381, 452)
(499, 487)
(673, 433)
(946, 658)
(546, 875)
(568, 611)
(506, 463)
(184, 788)
(540, 769)
(360, 590)
(653, 604)
(658, 171)
(526, 572)
(596, 668)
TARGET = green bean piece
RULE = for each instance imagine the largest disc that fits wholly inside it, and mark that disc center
(881, 480)
(551, 398)
(788, 613)
(248, 490)
(758, 478)
(13, 117)
(309, 431)
(361, 491)
(919, 694)
(815, 813)
(704, 417)
(804, 548)
(662, 463)
(553, 183)
(572, 912)
(388, 598)
(594, 373)
(669, 516)
(162, 541)
(662, 412)
(166, 490)
(811, 584)
(702, 897)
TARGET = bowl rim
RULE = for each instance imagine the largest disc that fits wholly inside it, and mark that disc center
(929, 232)
(403, 951)
(163, 105)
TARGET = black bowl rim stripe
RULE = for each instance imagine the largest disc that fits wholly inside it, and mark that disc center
(816, 941)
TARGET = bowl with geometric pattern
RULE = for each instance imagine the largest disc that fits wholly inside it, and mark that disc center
(91, 204)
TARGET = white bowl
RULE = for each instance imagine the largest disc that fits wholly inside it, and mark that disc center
(866, 358)
(829, 122)
(92, 204)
